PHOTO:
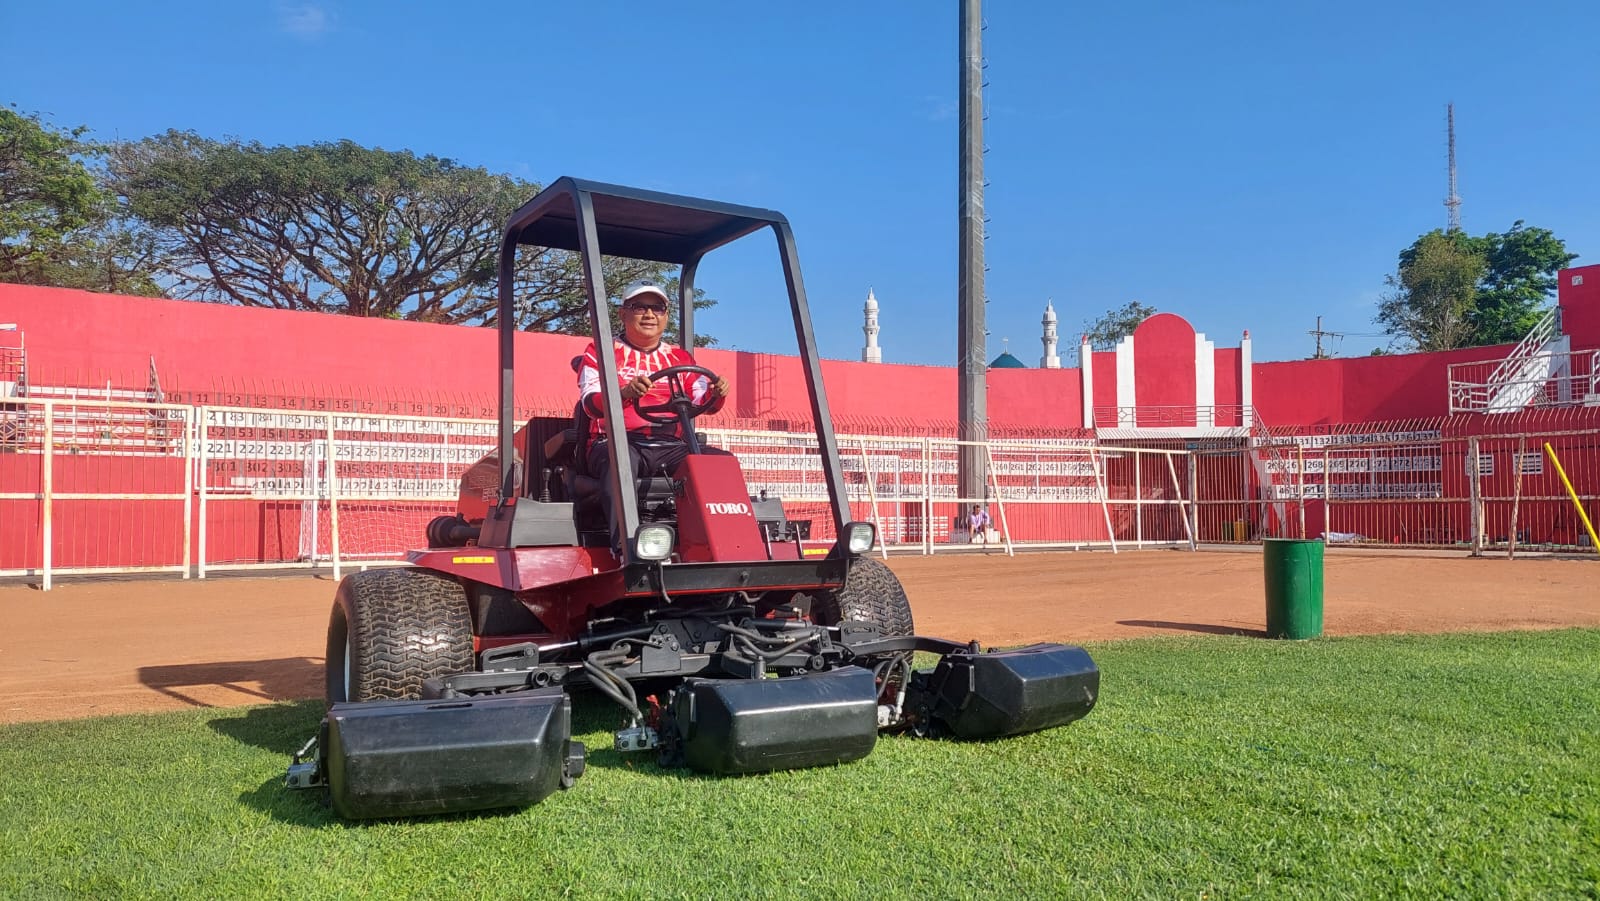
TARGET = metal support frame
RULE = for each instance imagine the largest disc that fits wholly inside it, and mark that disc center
(1194, 493)
(1475, 497)
(1182, 508)
(569, 195)
(1138, 502)
(1105, 506)
(203, 475)
(999, 499)
(332, 477)
(1516, 497)
(47, 492)
(872, 496)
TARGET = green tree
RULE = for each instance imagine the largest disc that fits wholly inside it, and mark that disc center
(1519, 282)
(1105, 332)
(1427, 308)
(1432, 296)
(341, 228)
(56, 226)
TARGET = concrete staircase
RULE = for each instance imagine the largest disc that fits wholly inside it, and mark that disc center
(1541, 371)
(1541, 378)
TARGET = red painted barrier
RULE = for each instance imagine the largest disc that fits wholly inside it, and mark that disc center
(213, 353)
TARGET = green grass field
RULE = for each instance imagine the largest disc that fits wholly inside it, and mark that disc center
(1456, 766)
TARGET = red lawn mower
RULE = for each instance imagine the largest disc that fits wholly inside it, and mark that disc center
(760, 648)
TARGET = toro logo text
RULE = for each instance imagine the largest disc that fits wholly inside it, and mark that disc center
(729, 509)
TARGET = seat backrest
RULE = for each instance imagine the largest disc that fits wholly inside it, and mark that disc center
(580, 426)
(580, 436)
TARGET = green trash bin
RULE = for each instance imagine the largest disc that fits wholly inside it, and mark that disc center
(1294, 587)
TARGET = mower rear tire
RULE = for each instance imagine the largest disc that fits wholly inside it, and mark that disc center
(392, 628)
(871, 594)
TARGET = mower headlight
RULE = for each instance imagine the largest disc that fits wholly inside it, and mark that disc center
(654, 542)
(859, 536)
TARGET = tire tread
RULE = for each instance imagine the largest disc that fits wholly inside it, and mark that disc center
(404, 626)
(871, 593)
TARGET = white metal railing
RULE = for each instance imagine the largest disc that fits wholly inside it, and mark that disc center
(1515, 379)
(1530, 345)
(197, 489)
(213, 488)
(344, 488)
(1180, 416)
(122, 500)
(1553, 379)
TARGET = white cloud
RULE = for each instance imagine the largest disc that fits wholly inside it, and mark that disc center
(306, 21)
(939, 108)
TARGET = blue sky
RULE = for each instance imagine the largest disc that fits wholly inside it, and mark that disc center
(1248, 165)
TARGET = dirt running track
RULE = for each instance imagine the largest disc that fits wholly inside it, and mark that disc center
(104, 647)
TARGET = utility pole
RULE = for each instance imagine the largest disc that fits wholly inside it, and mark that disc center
(972, 399)
(1319, 333)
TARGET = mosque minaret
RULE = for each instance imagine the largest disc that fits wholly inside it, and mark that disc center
(1051, 359)
(872, 353)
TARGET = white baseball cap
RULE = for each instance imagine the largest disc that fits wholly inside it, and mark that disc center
(635, 289)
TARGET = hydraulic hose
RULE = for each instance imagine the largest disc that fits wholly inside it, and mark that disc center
(775, 653)
(607, 688)
(613, 685)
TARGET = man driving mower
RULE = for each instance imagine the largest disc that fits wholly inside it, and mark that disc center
(655, 445)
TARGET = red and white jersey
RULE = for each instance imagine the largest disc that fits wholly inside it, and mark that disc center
(632, 363)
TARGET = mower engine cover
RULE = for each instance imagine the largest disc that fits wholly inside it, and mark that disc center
(407, 758)
(1011, 692)
(716, 522)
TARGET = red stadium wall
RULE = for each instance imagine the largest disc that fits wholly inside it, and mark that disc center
(80, 338)
(1164, 367)
(1360, 389)
(229, 355)
(1040, 401)
(1579, 292)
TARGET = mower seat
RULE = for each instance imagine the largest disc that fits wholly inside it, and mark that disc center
(571, 447)
(585, 492)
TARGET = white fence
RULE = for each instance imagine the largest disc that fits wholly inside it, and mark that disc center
(120, 486)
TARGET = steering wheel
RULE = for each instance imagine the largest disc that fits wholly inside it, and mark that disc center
(680, 407)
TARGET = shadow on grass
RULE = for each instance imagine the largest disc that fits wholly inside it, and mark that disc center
(592, 713)
(1207, 628)
(279, 679)
(311, 809)
(282, 729)
(279, 728)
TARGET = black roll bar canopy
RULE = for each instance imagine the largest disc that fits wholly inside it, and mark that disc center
(592, 219)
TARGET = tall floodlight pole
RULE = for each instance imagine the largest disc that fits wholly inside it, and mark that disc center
(973, 416)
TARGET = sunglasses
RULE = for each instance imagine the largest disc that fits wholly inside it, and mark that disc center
(656, 308)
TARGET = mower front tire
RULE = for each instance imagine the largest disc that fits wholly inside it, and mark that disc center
(871, 594)
(392, 628)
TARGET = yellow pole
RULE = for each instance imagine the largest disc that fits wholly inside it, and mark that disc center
(1595, 539)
